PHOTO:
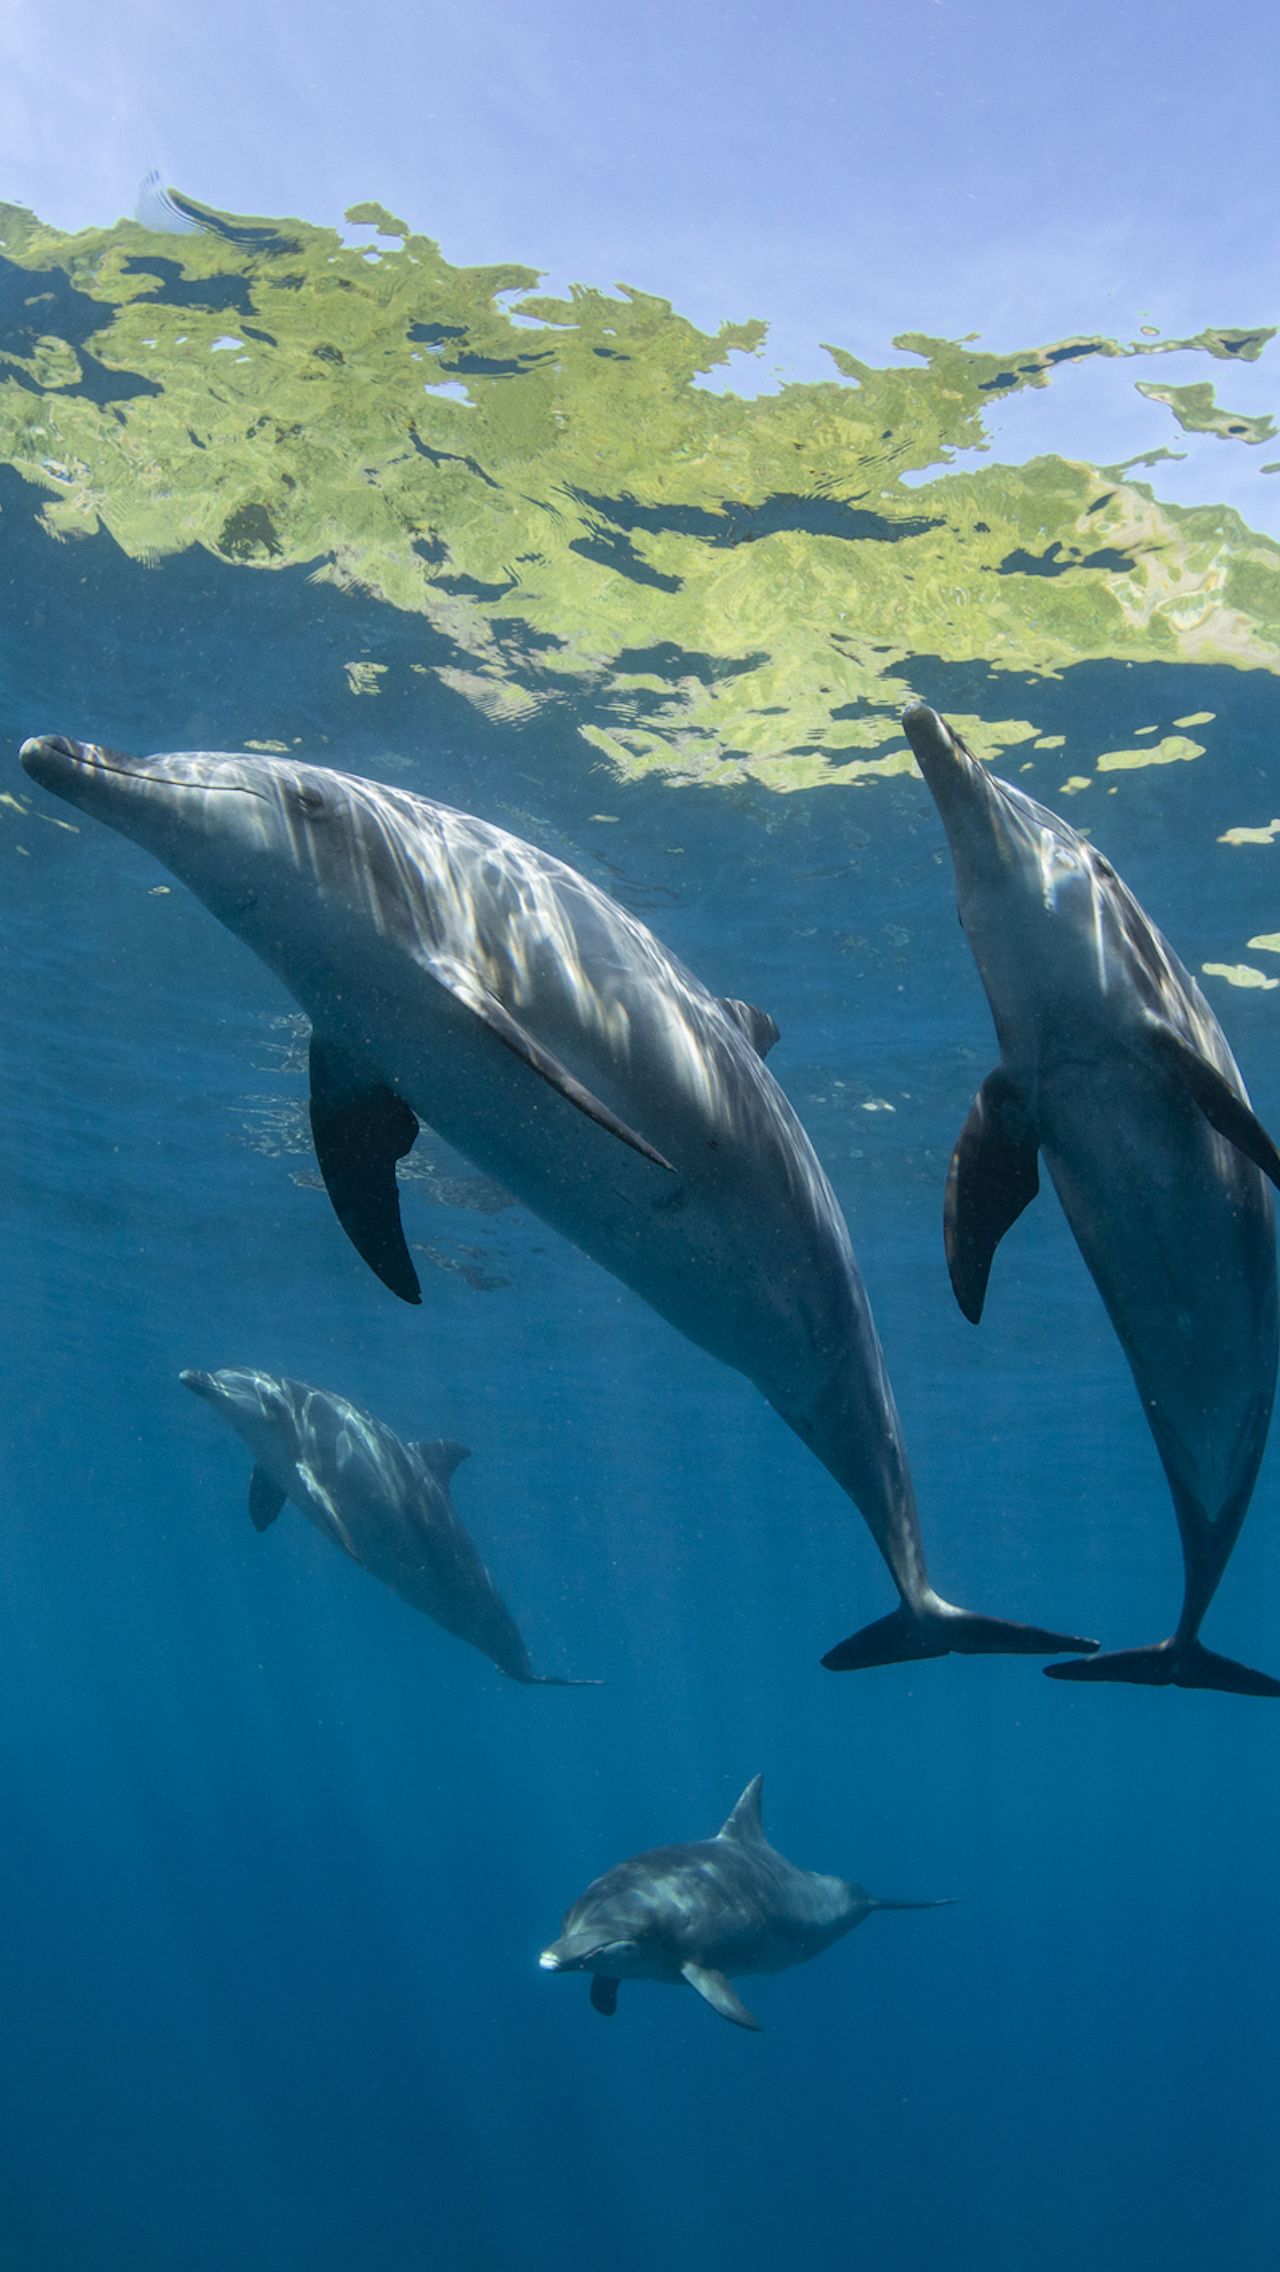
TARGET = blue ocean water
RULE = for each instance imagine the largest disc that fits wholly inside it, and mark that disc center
(280, 1857)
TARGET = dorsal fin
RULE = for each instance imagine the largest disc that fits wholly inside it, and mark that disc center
(759, 1028)
(440, 1457)
(746, 1823)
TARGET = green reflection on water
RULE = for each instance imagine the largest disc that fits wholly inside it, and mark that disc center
(715, 587)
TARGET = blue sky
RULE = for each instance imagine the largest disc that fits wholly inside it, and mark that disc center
(1026, 171)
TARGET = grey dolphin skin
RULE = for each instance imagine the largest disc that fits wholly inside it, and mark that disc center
(384, 1502)
(699, 1913)
(1114, 1067)
(454, 974)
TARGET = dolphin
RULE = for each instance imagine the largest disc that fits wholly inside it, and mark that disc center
(728, 1904)
(455, 974)
(385, 1503)
(1114, 1067)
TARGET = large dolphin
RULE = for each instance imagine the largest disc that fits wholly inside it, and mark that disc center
(456, 975)
(1115, 1068)
(697, 1913)
(384, 1502)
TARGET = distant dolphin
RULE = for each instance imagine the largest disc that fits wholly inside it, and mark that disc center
(385, 1503)
(455, 974)
(1115, 1067)
(728, 1904)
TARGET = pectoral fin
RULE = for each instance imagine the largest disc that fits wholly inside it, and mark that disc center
(604, 1995)
(324, 1504)
(721, 1997)
(361, 1129)
(265, 1499)
(993, 1176)
(1223, 1107)
(474, 995)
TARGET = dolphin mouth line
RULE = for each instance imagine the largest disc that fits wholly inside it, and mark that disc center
(153, 780)
(159, 781)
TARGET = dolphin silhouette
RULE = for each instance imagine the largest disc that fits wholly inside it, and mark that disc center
(1114, 1067)
(454, 974)
(384, 1502)
(697, 1913)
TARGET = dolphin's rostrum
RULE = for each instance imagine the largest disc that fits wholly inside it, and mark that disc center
(1116, 1071)
(707, 1911)
(384, 1502)
(454, 974)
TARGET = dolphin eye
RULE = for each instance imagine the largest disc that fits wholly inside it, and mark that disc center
(309, 801)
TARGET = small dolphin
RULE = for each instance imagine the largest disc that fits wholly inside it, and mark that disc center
(1115, 1067)
(728, 1904)
(385, 1503)
(456, 975)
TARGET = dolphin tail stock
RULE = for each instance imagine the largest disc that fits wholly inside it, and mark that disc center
(1170, 1664)
(936, 1628)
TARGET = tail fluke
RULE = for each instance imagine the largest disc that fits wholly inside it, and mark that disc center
(557, 1680)
(894, 1640)
(1170, 1664)
(948, 1902)
(938, 1630)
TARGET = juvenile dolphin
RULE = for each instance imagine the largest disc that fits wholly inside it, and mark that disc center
(1114, 1067)
(385, 1503)
(457, 975)
(722, 1905)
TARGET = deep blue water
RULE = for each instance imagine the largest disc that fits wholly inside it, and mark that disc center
(280, 1857)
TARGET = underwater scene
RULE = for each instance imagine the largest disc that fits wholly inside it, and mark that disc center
(578, 1347)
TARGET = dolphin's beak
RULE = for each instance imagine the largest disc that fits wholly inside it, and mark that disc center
(51, 759)
(549, 1961)
(201, 1384)
(82, 772)
(949, 766)
(931, 739)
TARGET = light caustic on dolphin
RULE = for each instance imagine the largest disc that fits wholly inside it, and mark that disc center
(700, 1912)
(1115, 1069)
(456, 975)
(384, 1502)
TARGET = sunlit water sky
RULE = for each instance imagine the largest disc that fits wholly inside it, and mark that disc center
(844, 171)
